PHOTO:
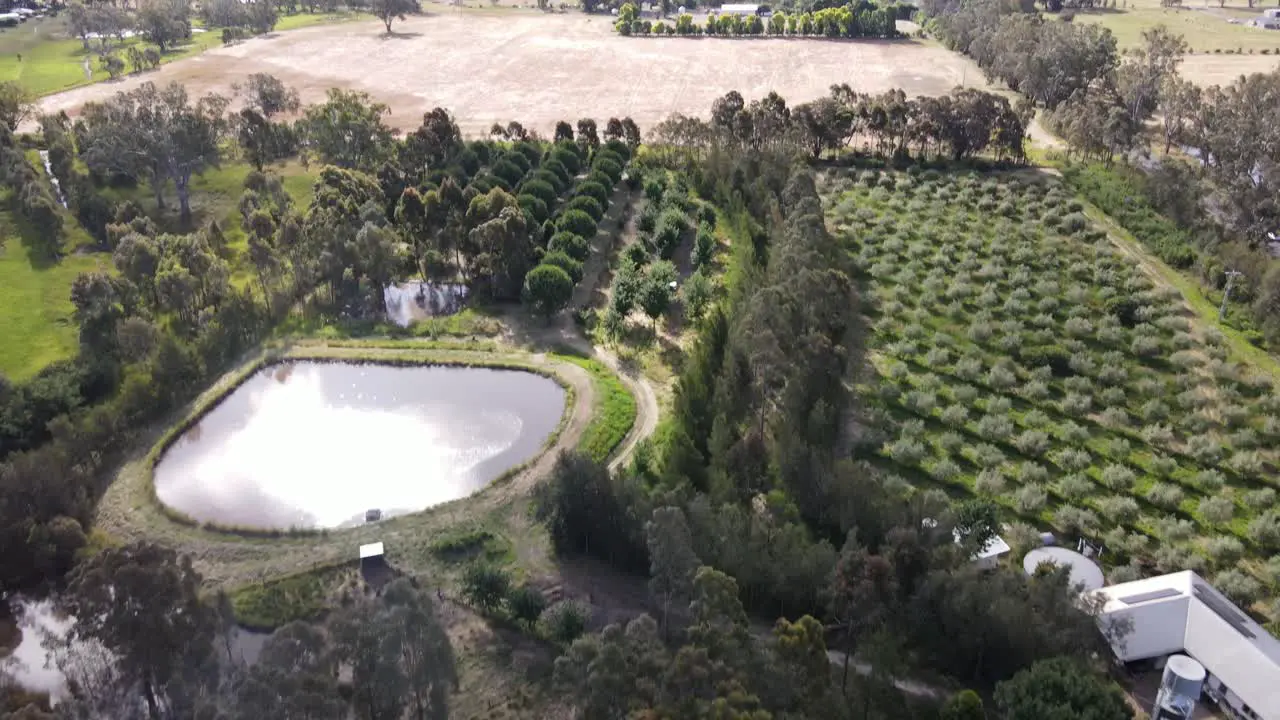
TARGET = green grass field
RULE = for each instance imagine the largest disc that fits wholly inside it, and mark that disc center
(1204, 26)
(53, 62)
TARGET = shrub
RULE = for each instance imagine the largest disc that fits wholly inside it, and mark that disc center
(1146, 347)
(1032, 442)
(1210, 480)
(1075, 486)
(1118, 477)
(586, 204)
(955, 415)
(1265, 530)
(1073, 433)
(526, 604)
(566, 263)
(1223, 549)
(944, 470)
(1030, 473)
(1076, 405)
(1242, 589)
(1118, 508)
(1245, 462)
(1031, 498)
(609, 167)
(950, 442)
(485, 586)
(565, 621)
(570, 244)
(965, 394)
(1261, 498)
(1204, 449)
(1163, 465)
(577, 222)
(1075, 521)
(990, 482)
(999, 405)
(667, 233)
(988, 456)
(907, 451)
(540, 188)
(1074, 459)
(1174, 529)
(1115, 417)
(1035, 390)
(535, 208)
(995, 427)
(1036, 419)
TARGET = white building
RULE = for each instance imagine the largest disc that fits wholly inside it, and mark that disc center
(988, 558)
(739, 9)
(1181, 613)
(1269, 19)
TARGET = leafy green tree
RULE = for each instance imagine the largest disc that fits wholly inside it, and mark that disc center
(16, 104)
(294, 676)
(164, 22)
(964, 705)
(143, 603)
(426, 655)
(565, 621)
(268, 95)
(485, 586)
(672, 559)
(1060, 688)
(527, 604)
(155, 135)
(656, 292)
(697, 293)
(547, 289)
(346, 130)
(389, 11)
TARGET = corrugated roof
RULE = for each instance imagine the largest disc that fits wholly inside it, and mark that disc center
(1183, 612)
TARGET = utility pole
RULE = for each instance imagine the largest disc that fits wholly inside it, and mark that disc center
(1226, 294)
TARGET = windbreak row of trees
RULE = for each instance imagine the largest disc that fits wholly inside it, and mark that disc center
(1100, 102)
(744, 500)
(963, 124)
(854, 20)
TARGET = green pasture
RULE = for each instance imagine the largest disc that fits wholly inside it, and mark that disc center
(1204, 26)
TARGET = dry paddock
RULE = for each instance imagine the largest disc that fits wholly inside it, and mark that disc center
(497, 65)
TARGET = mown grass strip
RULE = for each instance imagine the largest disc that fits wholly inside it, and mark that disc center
(302, 596)
(615, 412)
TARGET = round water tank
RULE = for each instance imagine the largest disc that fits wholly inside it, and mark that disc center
(1183, 676)
(1085, 573)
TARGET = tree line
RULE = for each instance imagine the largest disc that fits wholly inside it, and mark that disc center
(965, 123)
(1102, 104)
(853, 20)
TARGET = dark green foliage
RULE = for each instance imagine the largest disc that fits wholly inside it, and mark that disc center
(485, 586)
(570, 244)
(577, 222)
(566, 154)
(526, 604)
(610, 168)
(547, 289)
(1055, 357)
(594, 190)
(586, 510)
(1118, 192)
(587, 205)
(1061, 689)
(541, 189)
(566, 263)
(668, 231)
(508, 172)
(566, 621)
(536, 209)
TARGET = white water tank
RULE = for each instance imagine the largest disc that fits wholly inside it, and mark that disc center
(1179, 689)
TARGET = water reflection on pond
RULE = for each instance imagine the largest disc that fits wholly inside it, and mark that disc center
(31, 664)
(317, 444)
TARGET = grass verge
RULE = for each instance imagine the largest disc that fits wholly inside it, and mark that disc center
(265, 606)
(615, 410)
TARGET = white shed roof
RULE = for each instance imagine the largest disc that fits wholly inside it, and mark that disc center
(1181, 612)
(739, 8)
(371, 550)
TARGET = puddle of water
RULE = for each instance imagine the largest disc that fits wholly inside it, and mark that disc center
(319, 444)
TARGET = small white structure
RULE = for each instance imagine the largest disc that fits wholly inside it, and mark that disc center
(1085, 573)
(1268, 20)
(989, 556)
(1180, 688)
(371, 551)
(741, 9)
(1181, 613)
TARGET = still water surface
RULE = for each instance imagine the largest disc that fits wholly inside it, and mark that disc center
(317, 444)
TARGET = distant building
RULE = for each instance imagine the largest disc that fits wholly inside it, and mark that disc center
(743, 10)
(1181, 613)
(1269, 19)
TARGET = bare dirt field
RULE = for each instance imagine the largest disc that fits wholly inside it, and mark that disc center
(497, 65)
(1205, 70)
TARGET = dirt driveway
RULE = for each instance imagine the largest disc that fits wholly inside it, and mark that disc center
(496, 65)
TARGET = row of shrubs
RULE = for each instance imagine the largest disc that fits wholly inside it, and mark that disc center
(568, 232)
(843, 22)
(489, 589)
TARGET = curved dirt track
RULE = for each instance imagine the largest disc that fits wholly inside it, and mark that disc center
(497, 65)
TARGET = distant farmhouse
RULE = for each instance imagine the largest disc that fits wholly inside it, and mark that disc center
(1269, 19)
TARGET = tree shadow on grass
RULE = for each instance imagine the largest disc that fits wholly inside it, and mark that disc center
(397, 35)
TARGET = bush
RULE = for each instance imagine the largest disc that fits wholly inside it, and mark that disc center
(535, 208)
(610, 168)
(1075, 487)
(541, 189)
(1118, 477)
(1224, 549)
(907, 451)
(1030, 499)
(1242, 589)
(1118, 508)
(989, 482)
(577, 222)
(562, 260)
(570, 244)
(565, 621)
(485, 586)
(526, 604)
(586, 204)
(1075, 521)
(593, 190)
(668, 231)
(1264, 530)
(995, 427)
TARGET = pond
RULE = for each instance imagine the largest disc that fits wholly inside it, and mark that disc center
(317, 445)
(30, 663)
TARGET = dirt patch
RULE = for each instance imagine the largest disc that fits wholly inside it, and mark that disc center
(1206, 70)
(499, 65)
